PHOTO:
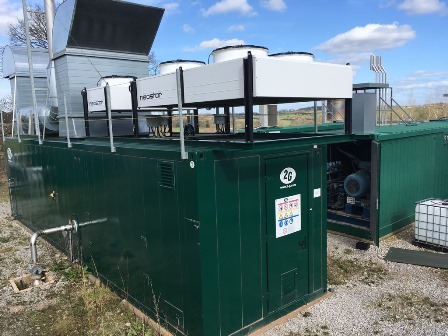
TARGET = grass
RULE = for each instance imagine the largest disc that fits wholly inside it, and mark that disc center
(340, 271)
(412, 306)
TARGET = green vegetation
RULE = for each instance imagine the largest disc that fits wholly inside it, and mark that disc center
(411, 306)
(340, 271)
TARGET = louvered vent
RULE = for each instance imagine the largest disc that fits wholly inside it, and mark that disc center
(166, 174)
(289, 282)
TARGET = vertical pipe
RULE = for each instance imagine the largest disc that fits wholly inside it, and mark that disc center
(170, 120)
(69, 144)
(109, 118)
(183, 154)
(49, 20)
(19, 125)
(248, 98)
(14, 107)
(315, 117)
(3, 130)
(30, 62)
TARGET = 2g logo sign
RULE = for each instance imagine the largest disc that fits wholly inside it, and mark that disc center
(288, 175)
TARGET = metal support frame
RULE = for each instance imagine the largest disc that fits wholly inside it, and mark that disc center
(248, 67)
(196, 120)
(315, 117)
(227, 119)
(348, 116)
(14, 107)
(170, 120)
(109, 118)
(180, 101)
(134, 103)
(85, 106)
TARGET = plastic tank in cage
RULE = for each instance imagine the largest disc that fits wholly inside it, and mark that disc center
(431, 222)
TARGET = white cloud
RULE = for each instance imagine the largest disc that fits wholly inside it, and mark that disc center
(369, 38)
(216, 43)
(421, 7)
(9, 11)
(236, 28)
(275, 5)
(171, 6)
(188, 28)
(227, 6)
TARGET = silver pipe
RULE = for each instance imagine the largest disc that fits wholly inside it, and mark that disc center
(315, 117)
(30, 61)
(3, 129)
(49, 19)
(19, 126)
(72, 227)
(14, 106)
(183, 153)
(109, 117)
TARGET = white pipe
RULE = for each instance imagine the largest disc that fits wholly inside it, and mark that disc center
(49, 16)
(30, 62)
(14, 106)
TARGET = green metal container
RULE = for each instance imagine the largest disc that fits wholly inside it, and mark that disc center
(218, 244)
(407, 165)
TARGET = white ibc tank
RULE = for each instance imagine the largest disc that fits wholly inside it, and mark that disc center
(171, 66)
(431, 222)
(295, 56)
(240, 51)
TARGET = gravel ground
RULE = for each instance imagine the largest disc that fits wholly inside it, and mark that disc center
(393, 299)
(371, 296)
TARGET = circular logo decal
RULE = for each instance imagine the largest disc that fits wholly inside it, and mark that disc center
(288, 175)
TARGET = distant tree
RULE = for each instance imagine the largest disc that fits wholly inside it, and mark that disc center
(38, 35)
(37, 26)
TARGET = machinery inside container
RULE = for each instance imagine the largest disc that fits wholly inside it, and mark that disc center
(349, 185)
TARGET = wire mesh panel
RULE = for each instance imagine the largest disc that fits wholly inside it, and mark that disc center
(431, 222)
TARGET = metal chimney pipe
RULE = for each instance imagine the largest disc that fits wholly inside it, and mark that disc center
(51, 76)
(49, 16)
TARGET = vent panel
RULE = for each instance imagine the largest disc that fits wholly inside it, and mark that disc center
(289, 282)
(166, 175)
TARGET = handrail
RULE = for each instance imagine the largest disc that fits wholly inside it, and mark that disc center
(392, 110)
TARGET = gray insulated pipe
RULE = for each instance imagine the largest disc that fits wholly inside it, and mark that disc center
(51, 76)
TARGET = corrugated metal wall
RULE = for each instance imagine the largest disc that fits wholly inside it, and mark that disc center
(411, 169)
(74, 73)
(24, 98)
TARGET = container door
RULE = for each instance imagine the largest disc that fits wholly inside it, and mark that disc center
(287, 209)
(374, 192)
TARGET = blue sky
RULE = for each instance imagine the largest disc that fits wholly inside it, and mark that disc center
(410, 35)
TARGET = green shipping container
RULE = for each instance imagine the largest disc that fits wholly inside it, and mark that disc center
(226, 241)
(407, 164)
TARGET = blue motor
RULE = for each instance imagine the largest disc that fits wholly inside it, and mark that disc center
(357, 184)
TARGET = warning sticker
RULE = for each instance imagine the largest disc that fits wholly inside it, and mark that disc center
(288, 217)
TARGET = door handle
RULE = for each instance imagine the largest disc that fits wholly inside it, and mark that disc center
(302, 244)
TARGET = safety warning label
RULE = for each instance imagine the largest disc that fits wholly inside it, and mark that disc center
(288, 217)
